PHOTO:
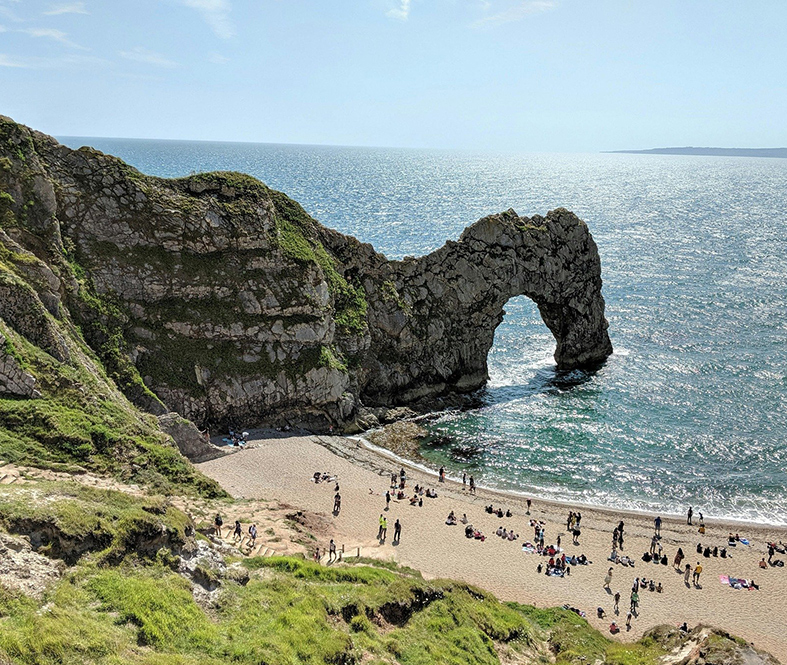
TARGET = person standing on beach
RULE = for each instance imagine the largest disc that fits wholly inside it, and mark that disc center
(634, 601)
(608, 579)
(472, 485)
(688, 515)
(696, 576)
(337, 503)
(687, 574)
(620, 534)
(628, 621)
(617, 602)
(528, 506)
(464, 480)
(383, 528)
(397, 531)
(678, 558)
(657, 526)
(442, 474)
(387, 500)
(380, 529)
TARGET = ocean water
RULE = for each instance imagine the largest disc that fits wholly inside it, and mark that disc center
(692, 407)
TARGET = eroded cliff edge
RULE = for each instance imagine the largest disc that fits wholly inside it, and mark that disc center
(219, 298)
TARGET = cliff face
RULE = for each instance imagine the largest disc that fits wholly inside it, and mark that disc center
(219, 298)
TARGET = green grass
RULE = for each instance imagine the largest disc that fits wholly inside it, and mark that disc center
(81, 422)
(72, 520)
(294, 611)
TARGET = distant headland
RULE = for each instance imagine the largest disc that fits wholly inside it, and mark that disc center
(717, 152)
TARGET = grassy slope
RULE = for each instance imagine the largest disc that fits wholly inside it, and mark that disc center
(292, 611)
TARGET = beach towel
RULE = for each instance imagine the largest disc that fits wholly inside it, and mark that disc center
(744, 541)
(724, 579)
(528, 549)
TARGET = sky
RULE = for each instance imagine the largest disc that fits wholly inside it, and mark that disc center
(518, 75)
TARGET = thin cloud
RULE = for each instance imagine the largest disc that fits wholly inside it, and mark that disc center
(9, 14)
(518, 12)
(140, 54)
(218, 59)
(216, 15)
(35, 62)
(68, 8)
(55, 35)
(400, 13)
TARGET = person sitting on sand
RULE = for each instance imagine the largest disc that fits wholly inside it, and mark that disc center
(511, 535)
(414, 500)
(659, 588)
(451, 519)
(464, 518)
(763, 563)
(499, 531)
(509, 513)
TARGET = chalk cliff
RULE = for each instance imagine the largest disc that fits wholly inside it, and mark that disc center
(219, 298)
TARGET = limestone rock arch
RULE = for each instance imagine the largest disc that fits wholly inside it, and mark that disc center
(433, 324)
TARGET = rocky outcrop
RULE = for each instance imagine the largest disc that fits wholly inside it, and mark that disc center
(190, 441)
(221, 299)
(14, 381)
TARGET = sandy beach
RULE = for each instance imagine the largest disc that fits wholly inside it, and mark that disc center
(281, 469)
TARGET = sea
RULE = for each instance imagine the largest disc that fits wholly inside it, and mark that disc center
(691, 409)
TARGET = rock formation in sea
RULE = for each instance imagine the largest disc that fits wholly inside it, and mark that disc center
(217, 297)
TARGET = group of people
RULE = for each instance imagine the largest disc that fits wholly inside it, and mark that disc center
(498, 511)
(505, 534)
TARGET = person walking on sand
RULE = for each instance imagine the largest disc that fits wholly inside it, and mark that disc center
(608, 579)
(387, 500)
(442, 474)
(528, 506)
(678, 558)
(380, 529)
(617, 603)
(383, 528)
(331, 551)
(472, 485)
(397, 531)
(628, 621)
(337, 503)
(689, 515)
(687, 574)
(634, 601)
(464, 480)
(696, 576)
(657, 526)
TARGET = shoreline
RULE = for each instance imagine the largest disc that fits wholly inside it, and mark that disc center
(281, 469)
(521, 496)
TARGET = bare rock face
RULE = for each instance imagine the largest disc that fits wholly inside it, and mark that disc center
(190, 441)
(23, 569)
(221, 299)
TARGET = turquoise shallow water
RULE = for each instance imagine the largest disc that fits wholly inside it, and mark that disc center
(691, 408)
